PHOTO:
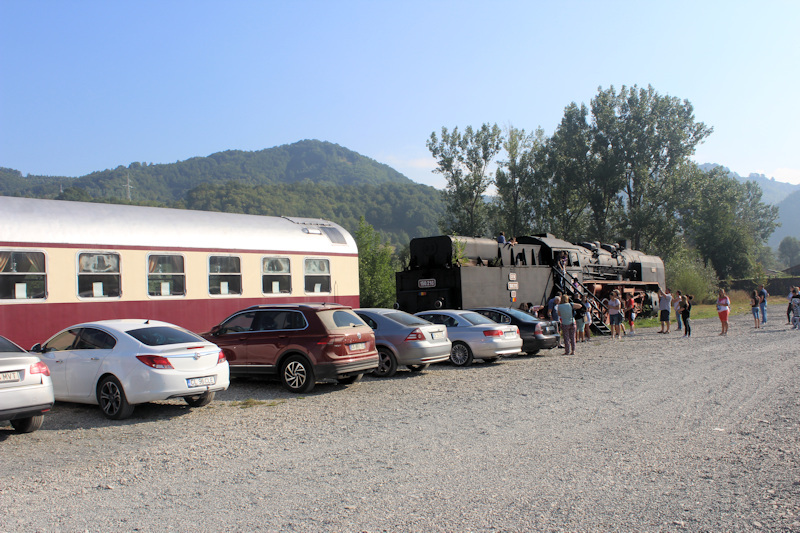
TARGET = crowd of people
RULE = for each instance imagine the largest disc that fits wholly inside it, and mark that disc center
(575, 317)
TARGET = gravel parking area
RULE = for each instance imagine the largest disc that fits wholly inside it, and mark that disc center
(650, 433)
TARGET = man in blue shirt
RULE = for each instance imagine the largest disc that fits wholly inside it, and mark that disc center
(762, 303)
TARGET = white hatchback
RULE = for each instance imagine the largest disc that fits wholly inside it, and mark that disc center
(117, 364)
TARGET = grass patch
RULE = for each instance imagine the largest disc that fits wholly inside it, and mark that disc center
(739, 306)
(252, 402)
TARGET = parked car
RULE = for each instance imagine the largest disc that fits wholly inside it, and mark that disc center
(474, 336)
(117, 364)
(537, 334)
(404, 339)
(299, 343)
(26, 390)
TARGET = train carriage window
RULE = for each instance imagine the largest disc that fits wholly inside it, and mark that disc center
(99, 275)
(318, 275)
(22, 275)
(166, 275)
(276, 275)
(225, 275)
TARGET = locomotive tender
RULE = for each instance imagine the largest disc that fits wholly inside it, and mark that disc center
(462, 272)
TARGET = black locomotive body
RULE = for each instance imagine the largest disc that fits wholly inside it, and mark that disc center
(455, 272)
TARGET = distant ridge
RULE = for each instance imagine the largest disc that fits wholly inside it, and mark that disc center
(774, 191)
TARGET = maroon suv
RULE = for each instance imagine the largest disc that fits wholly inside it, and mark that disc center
(301, 344)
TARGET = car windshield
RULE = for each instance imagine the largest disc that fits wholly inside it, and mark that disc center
(476, 318)
(516, 313)
(8, 346)
(407, 319)
(163, 336)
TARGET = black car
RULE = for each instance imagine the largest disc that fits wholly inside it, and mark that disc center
(536, 334)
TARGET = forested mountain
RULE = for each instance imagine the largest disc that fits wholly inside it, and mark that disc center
(789, 218)
(308, 178)
(773, 191)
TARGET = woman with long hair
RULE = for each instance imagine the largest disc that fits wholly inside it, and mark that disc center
(723, 309)
(754, 301)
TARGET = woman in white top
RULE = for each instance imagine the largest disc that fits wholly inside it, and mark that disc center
(615, 314)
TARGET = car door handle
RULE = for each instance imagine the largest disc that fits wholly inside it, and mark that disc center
(94, 359)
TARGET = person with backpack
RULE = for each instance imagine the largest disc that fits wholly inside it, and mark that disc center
(795, 308)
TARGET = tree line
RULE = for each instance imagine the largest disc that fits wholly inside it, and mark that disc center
(617, 168)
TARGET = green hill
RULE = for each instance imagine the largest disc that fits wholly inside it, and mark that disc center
(307, 178)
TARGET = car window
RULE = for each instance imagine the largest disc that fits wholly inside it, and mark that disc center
(475, 319)
(278, 319)
(370, 322)
(406, 319)
(340, 318)
(62, 341)
(521, 315)
(238, 323)
(94, 339)
(445, 320)
(8, 346)
(163, 336)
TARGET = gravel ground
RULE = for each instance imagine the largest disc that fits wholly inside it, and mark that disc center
(650, 433)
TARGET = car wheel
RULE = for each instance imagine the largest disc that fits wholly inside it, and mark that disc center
(349, 380)
(200, 400)
(112, 400)
(297, 375)
(460, 354)
(387, 364)
(418, 368)
(27, 425)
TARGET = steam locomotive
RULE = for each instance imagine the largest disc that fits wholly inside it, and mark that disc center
(456, 272)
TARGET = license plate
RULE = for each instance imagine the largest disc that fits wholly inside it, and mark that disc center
(201, 382)
(7, 377)
(437, 335)
(510, 334)
(357, 346)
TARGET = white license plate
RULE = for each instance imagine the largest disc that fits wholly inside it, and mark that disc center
(437, 335)
(510, 334)
(201, 382)
(7, 377)
(357, 346)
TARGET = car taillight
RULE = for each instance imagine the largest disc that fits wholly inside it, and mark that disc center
(416, 335)
(492, 333)
(155, 361)
(40, 368)
(221, 357)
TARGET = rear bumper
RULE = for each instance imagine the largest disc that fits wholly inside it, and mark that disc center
(24, 412)
(346, 368)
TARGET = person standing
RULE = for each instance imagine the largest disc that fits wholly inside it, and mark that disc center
(566, 315)
(615, 314)
(630, 313)
(677, 300)
(501, 239)
(686, 310)
(587, 327)
(754, 300)
(795, 303)
(723, 309)
(664, 305)
(762, 305)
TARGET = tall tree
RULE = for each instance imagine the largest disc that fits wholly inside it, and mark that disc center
(519, 202)
(464, 160)
(648, 137)
(789, 250)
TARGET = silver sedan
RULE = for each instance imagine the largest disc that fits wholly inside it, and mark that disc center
(474, 336)
(26, 391)
(404, 339)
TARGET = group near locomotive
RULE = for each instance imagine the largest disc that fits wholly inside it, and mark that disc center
(63, 263)
(462, 272)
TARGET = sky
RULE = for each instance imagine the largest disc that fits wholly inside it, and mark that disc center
(91, 85)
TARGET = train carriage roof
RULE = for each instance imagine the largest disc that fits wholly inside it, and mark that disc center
(28, 220)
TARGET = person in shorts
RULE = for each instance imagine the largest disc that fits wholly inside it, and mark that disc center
(615, 314)
(630, 312)
(664, 306)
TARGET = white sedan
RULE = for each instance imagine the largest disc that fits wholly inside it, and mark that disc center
(120, 363)
(26, 391)
(474, 336)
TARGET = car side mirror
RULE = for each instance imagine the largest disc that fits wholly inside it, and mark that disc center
(36, 348)
(216, 330)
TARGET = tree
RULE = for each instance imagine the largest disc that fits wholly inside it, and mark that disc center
(376, 268)
(644, 138)
(464, 160)
(519, 202)
(789, 250)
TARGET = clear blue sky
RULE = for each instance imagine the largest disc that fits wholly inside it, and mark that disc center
(90, 85)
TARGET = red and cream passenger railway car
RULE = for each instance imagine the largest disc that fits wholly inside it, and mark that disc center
(62, 263)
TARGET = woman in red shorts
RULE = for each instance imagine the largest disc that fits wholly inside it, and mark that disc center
(723, 308)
